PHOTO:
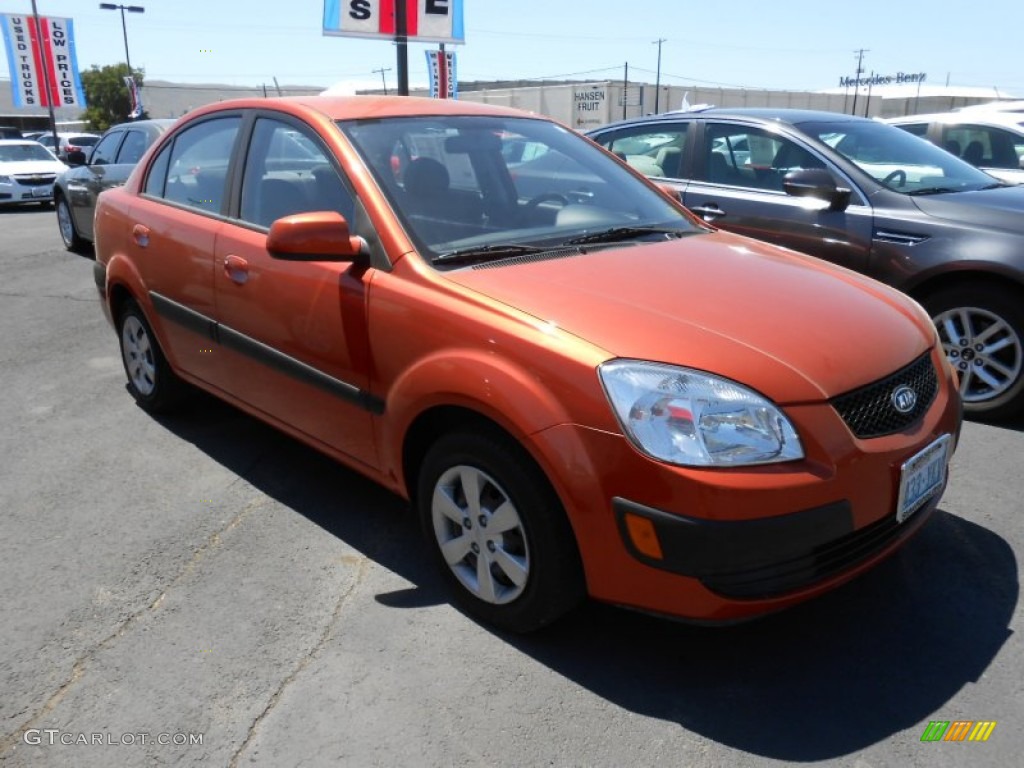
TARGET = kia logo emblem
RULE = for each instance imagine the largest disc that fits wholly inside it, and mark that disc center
(904, 399)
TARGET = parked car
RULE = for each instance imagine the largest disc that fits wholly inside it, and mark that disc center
(991, 141)
(69, 142)
(581, 388)
(27, 172)
(10, 132)
(109, 164)
(872, 198)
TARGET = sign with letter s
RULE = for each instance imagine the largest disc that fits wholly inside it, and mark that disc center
(426, 21)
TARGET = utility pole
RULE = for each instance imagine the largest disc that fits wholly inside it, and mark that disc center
(384, 82)
(657, 76)
(856, 78)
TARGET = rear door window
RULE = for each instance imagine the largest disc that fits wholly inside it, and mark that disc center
(198, 164)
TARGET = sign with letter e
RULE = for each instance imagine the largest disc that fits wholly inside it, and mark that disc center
(426, 21)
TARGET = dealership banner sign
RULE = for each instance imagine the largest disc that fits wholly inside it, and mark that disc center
(42, 61)
(427, 21)
(443, 82)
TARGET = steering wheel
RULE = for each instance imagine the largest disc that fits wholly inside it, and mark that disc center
(900, 174)
(531, 205)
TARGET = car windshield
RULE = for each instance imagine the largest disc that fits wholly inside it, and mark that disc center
(897, 159)
(13, 153)
(498, 186)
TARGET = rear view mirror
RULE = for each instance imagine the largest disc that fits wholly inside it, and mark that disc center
(819, 184)
(315, 236)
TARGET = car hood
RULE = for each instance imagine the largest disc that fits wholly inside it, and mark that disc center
(31, 166)
(788, 325)
(999, 208)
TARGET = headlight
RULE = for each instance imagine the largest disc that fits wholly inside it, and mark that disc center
(695, 419)
(5, 180)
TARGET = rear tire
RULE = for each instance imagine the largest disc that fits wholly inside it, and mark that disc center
(151, 381)
(498, 531)
(66, 225)
(981, 326)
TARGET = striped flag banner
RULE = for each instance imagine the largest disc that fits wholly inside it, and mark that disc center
(41, 57)
(443, 82)
(426, 21)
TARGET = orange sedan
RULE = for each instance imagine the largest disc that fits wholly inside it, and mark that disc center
(581, 388)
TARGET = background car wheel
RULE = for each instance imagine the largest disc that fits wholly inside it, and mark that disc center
(151, 381)
(66, 225)
(982, 330)
(498, 531)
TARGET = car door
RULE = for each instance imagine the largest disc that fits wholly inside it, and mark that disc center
(737, 185)
(293, 334)
(175, 222)
(87, 181)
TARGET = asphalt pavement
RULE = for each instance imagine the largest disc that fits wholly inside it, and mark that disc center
(200, 590)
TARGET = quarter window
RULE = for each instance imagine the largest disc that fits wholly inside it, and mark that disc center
(288, 172)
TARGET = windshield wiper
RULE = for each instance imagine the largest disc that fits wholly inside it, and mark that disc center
(623, 233)
(485, 253)
(931, 191)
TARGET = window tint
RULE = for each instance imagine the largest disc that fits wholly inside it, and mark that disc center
(133, 148)
(652, 150)
(287, 172)
(199, 164)
(746, 156)
(986, 147)
(104, 152)
(918, 129)
(158, 172)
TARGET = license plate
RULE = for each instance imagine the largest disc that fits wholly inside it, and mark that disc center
(42, 191)
(922, 476)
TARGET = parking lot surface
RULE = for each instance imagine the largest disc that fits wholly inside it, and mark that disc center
(202, 590)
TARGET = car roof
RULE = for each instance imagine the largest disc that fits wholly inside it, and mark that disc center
(977, 117)
(366, 107)
(791, 116)
(18, 142)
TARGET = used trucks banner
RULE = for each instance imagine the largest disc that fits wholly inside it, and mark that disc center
(42, 61)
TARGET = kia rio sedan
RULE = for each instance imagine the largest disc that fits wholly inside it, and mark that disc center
(869, 197)
(581, 388)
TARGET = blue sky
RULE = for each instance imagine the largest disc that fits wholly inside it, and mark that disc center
(795, 44)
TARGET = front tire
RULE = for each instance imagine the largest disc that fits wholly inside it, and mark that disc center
(981, 326)
(497, 531)
(151, 381)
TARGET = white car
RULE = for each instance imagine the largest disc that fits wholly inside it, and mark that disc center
(987, 139)
(27, 172)
(69, 142)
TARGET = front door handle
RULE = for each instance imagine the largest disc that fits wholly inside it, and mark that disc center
(140, 234)
(708, 211)
(236, 269)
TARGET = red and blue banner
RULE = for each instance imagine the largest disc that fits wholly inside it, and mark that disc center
(443, 82)
(42, 61)
(426, 21)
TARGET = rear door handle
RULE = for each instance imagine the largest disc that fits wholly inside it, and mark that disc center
(236, 269)
(708, 211)
(140, 234)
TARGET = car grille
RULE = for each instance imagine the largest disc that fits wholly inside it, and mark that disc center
(35, 179)
(816, 565)
(869, 411)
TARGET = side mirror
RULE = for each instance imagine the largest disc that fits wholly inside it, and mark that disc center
(314, 236)
(76, 158)
(669, 190)
(819, 184)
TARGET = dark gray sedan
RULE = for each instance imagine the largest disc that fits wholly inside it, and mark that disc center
(109, 165)
(867, 196)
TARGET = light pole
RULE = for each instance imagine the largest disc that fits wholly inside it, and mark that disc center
(124, 28)
(657, 77)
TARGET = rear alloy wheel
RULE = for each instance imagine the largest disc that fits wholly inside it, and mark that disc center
(151, 381)
(498, 531)
(66, 225)
(982, 331)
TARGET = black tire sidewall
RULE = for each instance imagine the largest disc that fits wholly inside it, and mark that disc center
(1000, 301)
(554, 584)
(165, 382)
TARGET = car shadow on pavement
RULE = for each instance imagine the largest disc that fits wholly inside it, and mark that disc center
(822, 680)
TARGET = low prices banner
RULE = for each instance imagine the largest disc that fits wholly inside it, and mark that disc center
(428, 21)
(443, 82)
(42, 61)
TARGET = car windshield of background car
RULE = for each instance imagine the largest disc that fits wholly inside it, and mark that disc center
(901, 161)
(14, 153)
(461, 182)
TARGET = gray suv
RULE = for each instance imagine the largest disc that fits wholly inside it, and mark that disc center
(870, 197)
